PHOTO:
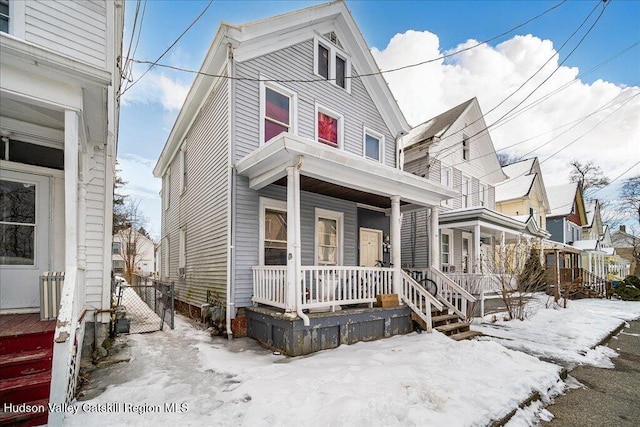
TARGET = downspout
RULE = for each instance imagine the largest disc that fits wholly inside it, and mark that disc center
(400, 151)
(298, 245)
(231, 189)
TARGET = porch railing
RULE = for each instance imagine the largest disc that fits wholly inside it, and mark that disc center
(418, 299)
(452, 294)
(583, 277)
(269, 286)
(67, 343)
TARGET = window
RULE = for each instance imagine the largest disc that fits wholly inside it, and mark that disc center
(118, 266)
(166, 188)
(447, 181)
(273, 232)
(331, 63)
(446, 257)
(483, 195)
(373, 145)
(183, 170)
(131, 248)
(328, 127)
(31, 154)
(183, 249)
(328, 237)
(116, 247)
(278, 106)
(466, 192)
(4, 16)
(466, 152)
(17, 223)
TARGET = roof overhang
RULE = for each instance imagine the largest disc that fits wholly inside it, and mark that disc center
(268, 164)
(490, 219)
(550, 245)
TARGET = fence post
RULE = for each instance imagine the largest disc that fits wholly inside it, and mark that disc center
(172, 303)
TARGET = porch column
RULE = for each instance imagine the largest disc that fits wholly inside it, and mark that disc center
(557, 287)
(396, 256)
(71, 127)
(293, 238)
(589, 261)
(434, 243)
(503, 252)
(476, 248)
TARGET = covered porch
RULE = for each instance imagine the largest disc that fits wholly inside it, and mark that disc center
(328, 284)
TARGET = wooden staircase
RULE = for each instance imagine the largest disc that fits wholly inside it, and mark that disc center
(449, 324)
(26, 351)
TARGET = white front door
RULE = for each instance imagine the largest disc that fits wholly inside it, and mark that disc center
(24, 239)
(370, 247)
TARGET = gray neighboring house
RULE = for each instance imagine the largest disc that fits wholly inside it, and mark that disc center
(281, 187)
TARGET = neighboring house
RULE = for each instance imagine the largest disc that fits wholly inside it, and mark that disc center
(627, 246)
(59, 128)
(281, 186)
(523, 192)
(133, 248)
(594, 228)
(567, 213)
(471, 236)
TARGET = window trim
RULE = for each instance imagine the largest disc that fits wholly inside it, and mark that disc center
(483, 194)
(183, 170)
(165, 257)
(443, 169)
(381, 148)
(468, 194)
(333, 52)
(293, 105)
(166, 188)
(448, 233)
(271, 204)
(466, 148)
(339, 218)
(182, 249)
(328, 112)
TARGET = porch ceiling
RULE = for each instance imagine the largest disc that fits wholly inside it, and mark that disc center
(337, 173)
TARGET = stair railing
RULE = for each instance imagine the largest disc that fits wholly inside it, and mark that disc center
(418, 299)
(451, 294)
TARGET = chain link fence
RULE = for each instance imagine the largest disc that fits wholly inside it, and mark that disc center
(145, 305)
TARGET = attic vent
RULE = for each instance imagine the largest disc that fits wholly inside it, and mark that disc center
(333, 38)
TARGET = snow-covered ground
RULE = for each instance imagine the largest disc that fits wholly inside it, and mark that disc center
(416, 379)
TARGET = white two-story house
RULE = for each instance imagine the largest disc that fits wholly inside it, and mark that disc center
(282, 187)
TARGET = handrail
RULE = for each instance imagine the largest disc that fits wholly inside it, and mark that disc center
(451, 294)
(453, 284)
(418, 299)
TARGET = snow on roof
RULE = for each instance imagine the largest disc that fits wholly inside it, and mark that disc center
(590, 208)
(523, 167)
(561, 198)
(435, 126)
(586, 244)
(514, 188)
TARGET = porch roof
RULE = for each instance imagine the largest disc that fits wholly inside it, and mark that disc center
(337, 173)
(489, 218)
(552, 245)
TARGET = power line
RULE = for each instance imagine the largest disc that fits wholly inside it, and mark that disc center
(169, 48)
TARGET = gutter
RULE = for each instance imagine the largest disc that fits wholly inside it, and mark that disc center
(298, 245)
(231, 189)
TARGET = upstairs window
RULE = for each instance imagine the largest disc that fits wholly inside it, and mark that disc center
(373, 145)
(331, 63)
(446, 179)
(328, 127)
(278, 108)
(166, 188)
(466, 192)
(4, 16)
(183, 170)
(466, 152)
(115, 248)
(482, 194)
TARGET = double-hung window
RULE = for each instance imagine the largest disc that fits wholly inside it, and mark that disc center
(329, 127)
(466, 150)
(331, 63)
(373, 145)
(446, 258)
(273, 232)
(183, 170)
(482, 194)
(466, 192)
(328, 237)
(116, 248)
(278, 107)
(166, 188)
(446, 179)
(4, 16)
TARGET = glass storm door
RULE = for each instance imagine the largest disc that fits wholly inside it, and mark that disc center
(24, 239)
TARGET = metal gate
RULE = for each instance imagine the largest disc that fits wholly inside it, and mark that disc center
(143, 306)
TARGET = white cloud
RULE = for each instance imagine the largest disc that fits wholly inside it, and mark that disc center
(492, 73)
(141, 185)
(159, 88)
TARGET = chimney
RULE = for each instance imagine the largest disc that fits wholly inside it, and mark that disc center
(623, 228)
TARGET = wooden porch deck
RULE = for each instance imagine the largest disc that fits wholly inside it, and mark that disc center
(12, 325)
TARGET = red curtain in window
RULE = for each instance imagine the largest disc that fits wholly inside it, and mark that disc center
(327, 129)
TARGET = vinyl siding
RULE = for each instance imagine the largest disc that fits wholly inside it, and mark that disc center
(415, 239)
(74, 29)
(94, 220)
(296, 62)
(248, 231)
(202, 208)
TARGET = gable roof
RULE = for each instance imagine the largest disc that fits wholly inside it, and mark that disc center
(522, 178)
(436, 126)
(562, 198)
(261, 37)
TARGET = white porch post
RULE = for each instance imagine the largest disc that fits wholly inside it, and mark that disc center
(476, 249)
(589, 262)
(434, 244)
(396, 257)
(71, 127)
(503, 252)
(293, 237)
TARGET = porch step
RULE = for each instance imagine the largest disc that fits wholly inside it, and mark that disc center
(25, 388)
(465, 335)
(453, 328)
(31, 418)
(26, 342)
(444, 319)
(25, 363)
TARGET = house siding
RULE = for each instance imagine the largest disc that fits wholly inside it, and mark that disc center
(74, 29)
(415, 239)
(296, 62)
(555, 226)
(248, 231)
(95, 238)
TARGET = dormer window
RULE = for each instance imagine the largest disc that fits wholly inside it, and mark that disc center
(331, 63)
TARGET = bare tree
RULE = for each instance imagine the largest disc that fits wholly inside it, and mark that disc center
(132, 242)
(119, 207)
(630, 196)
(588, 174)
(505, 158)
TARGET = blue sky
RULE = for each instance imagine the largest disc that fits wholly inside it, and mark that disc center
(151, 105)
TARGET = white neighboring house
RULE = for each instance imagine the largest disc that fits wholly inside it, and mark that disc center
(59, 127)
(136, 247)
